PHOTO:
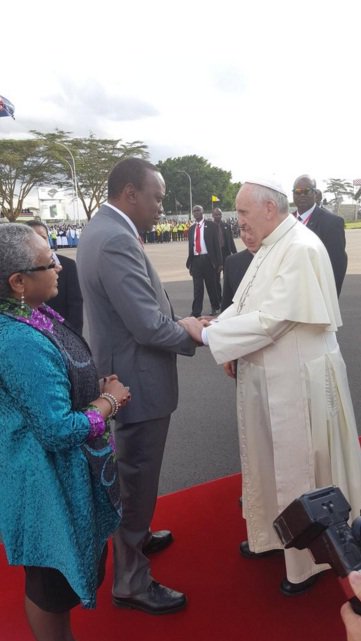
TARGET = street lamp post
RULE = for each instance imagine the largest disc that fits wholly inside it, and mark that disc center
(75, 201)
(74, 177)
(181, 171)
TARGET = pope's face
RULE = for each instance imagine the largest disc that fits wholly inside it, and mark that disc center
(253, 219)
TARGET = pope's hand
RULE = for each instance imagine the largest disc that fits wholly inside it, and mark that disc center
(230, 369)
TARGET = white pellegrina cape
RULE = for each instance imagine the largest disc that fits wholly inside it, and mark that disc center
(296, 423)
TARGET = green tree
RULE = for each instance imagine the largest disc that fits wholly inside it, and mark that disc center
(206, 181)
(229, 202)
(339, 188)
(24, 165)
(93, 158)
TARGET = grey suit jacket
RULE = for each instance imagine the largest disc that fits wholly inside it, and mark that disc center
(132, 333)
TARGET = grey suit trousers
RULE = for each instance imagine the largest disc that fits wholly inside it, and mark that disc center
(139, 448)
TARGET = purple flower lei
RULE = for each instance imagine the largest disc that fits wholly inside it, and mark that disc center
(99, 426)
(51, 312)
(96, 420)
(36, 317)
(38, 321)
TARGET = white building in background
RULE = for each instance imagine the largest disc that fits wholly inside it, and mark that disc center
(52, 205)
(55, 205)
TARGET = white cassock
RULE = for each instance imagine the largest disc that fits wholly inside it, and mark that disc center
(296, 423)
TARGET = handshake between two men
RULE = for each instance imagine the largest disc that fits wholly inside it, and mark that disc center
(194, 326)
(197, 329)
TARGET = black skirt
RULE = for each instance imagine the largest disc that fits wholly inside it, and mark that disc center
(49, 589)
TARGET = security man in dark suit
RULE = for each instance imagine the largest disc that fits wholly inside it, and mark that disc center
(226, 242)
(204, 261)
(69, 301)
(328, 227)
(235, 268)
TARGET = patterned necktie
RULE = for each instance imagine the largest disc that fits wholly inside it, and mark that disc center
(198, 238)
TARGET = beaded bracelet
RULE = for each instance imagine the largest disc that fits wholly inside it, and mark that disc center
(113, 402)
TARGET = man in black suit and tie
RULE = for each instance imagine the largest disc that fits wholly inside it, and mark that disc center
(204, 261)
(226, 242)
(328, 227)
(236, 266)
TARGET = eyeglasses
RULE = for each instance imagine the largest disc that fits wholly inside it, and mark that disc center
(303, 192)
(41, 268)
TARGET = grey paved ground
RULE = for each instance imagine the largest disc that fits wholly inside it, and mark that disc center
(202, 443)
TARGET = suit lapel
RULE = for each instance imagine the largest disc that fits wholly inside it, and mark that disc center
(160, 292)
(152, 274)
(117, 218)
(313, 223)
(206, 232)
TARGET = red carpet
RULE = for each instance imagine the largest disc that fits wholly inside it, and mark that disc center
(230, 598)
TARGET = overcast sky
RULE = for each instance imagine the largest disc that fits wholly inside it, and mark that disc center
(256, 87)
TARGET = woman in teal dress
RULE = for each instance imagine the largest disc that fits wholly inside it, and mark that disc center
(58, 492)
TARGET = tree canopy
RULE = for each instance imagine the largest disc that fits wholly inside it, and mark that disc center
(50, 158)
(206, 181)
(24, 165)
(82, 165)
(339, 188)
(93, 158)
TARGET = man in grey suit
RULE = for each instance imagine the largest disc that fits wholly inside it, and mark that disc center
(133, 330)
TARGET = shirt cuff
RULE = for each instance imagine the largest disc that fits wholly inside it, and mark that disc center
(205, 336)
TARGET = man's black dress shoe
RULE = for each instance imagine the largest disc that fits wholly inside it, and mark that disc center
(292, 589)
(158, 599)
(158, 541)
(246, 552)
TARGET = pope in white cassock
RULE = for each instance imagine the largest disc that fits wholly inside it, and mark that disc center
(296, 423)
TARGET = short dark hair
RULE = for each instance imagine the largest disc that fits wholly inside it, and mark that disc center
(131, 170)
(37, 223)
(308, 177)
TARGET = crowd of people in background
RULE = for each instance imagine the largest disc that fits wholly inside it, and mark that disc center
(166, 231)
(170, 230)
(64, 235)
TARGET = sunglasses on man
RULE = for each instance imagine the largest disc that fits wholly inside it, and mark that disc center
(303, 192)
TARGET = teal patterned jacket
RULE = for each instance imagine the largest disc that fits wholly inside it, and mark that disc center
(53, 512)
